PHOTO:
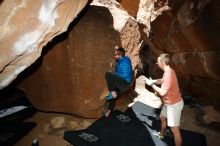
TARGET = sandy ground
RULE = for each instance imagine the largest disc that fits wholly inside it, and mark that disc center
(50, 134)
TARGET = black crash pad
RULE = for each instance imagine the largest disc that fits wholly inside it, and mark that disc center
(10, 134)
(124, 129)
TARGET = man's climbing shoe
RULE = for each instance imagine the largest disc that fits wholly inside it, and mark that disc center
(109, 96)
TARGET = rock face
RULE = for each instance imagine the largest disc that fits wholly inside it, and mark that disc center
(130, 6)
(28, 25)
(126, 25)
(189, 32)
(70, 77)
(145, 96)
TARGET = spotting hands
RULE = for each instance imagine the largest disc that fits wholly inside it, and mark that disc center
(149, 81)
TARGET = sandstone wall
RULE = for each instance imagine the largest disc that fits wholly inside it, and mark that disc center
(28, 25)
(189, 33)
(70, 77)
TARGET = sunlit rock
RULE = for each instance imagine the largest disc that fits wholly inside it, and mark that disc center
(144, 96)
(28, 25)
(147, 12)
(120, 16)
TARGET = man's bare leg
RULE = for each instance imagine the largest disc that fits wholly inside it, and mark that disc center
(177, 136)
(163, 125)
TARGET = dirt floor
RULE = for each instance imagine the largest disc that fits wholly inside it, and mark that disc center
(51, 126)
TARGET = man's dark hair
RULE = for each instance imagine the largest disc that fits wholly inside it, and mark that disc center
(121, 50)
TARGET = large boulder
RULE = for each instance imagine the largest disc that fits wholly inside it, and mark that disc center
(69, 77)
(26, 26)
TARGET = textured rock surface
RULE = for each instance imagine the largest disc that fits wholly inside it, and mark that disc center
(70, 77)
(126, 25)
(189, 33)
(130, 39)
(148, 12)
(28, 25)
(131, 6)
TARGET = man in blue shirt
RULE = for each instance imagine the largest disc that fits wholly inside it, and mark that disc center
(119, 81)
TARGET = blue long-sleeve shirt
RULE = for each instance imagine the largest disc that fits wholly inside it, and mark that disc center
(123, 68)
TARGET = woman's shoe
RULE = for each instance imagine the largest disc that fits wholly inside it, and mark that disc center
(158, 134)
